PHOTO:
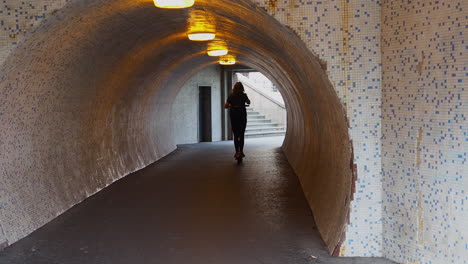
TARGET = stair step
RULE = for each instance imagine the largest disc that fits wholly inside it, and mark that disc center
(258, 124)
(263, 129)
(257, 121)
(265, 134)
(256, 117)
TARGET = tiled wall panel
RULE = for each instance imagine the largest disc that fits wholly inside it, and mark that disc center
(425, 131)
(18, 17)
(346, 36)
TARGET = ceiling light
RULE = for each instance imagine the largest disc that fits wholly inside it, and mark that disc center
(201, 26)
(227, 60)
(219, 52)
(217, 47)
(173, 3)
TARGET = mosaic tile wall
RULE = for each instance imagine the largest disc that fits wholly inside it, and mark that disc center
(17, 18)
(346, 35)
(425, 131)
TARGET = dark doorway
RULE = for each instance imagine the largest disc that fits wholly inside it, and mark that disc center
(204, 114)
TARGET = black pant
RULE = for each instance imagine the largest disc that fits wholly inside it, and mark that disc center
(238, 123)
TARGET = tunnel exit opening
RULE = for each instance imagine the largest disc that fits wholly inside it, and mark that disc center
(200, 103)
(266, 115)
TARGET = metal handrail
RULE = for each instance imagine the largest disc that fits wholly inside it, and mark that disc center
(247, 82)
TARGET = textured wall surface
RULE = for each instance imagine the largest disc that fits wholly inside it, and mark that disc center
(18, 18)
(87, 99)
(346, 36)
(425, 131)
(184, 113)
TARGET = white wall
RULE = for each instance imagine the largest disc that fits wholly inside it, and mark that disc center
(185, 109)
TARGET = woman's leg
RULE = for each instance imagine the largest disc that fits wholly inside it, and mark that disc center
(236, 128)
(236, 142)
(243, 125)
(241, 143)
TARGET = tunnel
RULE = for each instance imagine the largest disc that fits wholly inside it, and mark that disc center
(87, 99)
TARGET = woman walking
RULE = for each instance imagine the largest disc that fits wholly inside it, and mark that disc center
(236, 103)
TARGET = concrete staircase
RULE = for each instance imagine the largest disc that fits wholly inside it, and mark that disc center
(259, 126)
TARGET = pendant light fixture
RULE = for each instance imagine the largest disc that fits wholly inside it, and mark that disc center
(217, 47)
(173, 3)
(201, 26)
(228, 59)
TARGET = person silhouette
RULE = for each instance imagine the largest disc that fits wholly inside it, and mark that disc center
(236, 103)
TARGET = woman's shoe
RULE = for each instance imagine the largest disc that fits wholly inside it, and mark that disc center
(242, 154)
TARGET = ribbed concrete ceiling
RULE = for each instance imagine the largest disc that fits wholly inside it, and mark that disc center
(87, 99)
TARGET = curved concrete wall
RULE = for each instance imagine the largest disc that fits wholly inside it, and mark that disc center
(88, 100)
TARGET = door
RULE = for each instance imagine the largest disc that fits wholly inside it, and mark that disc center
(204, 114)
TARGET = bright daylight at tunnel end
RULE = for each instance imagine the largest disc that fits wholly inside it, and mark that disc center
(372, 105)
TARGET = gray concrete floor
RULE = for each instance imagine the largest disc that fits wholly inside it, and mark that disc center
(194, 206)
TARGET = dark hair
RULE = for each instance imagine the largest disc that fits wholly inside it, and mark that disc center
(238, 89)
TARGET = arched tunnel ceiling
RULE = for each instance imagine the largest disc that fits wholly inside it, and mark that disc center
(89, 94)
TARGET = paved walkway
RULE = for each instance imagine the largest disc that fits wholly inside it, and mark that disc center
(195, 206)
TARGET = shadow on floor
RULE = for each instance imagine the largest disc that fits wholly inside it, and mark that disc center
(194, 206)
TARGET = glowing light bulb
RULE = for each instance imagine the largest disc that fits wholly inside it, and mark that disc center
(201, 36)
(173, 3)
(201, 26)
(227, 60)
(217, 47)
(219, 52)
